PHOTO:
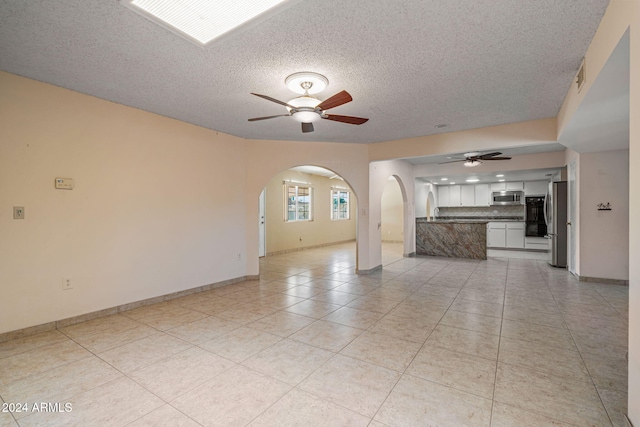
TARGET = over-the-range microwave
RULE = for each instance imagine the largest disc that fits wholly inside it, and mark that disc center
(503, 198)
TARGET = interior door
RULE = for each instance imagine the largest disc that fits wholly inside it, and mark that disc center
(261, 225)
(571, 230)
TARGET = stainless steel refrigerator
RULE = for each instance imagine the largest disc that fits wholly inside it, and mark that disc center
(555, 208)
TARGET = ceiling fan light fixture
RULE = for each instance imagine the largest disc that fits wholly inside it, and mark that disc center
(472, 163)
(299, 82)
(305, 111)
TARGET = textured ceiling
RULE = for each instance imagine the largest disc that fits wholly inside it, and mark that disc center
(409, 65)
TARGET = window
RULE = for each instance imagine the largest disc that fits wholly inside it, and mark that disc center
(298, 203)
(339, 204)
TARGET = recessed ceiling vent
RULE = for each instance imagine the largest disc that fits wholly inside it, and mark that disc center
(582, 74)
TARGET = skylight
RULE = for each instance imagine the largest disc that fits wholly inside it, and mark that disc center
(202, 21)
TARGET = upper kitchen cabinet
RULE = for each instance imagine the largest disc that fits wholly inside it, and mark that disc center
(467, 195)
(454, 196)
(515, 186)
(507, 186)
(444, 196)
(457, 195)
(481, 195)
(536, 188)
(498, 186)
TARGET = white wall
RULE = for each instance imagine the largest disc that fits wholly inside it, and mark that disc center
(392, 216)
(158, 205)
(604, 241)
(282, 235)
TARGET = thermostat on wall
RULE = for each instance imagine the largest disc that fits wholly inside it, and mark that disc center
(64, 183)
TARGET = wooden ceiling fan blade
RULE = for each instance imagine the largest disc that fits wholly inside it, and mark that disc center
(268, 98)
(488, 155)
(268, 117)
(453, 161)
(346, 119)
(307, 127)
(335, 101)
(498, 158)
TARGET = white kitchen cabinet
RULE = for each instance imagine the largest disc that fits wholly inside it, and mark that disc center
(507, 186)
(498, 186)
(536, 188)
(444, 198)
(515, 186)
(454, 195)
(505, 235)
(481, 195)
(467, 195)
(515, 235)
(496, 234)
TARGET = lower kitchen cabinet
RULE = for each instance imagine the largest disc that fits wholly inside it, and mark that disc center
(505, 235)
(496, 234)
(515, 235)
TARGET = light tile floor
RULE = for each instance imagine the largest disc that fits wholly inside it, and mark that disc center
(425, 342)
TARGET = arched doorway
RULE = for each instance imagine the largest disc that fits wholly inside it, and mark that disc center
(309, 208)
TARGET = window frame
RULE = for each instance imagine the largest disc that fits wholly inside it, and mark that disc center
(287, 185)
(338, 212)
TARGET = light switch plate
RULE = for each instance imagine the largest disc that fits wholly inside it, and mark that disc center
(64, 183)
(18, 212)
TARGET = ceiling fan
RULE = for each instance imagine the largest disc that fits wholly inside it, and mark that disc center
(474, 158)
(307, 108)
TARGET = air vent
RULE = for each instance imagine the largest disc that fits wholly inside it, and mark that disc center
(580, 78)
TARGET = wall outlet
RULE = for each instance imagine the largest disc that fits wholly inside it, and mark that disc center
(67, 283)
(239, 257)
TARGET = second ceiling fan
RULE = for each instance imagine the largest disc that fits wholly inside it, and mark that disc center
(476, 158)
(308, 109)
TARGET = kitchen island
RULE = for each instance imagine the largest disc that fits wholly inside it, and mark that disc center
(452, 238)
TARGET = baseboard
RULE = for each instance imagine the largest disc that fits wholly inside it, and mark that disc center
(601, 280)
(303, 248)
(410, 255)
(370, 271)
(392, 241)
(57, 324)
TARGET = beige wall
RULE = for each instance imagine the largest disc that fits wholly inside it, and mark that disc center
(604, 243)
(158, 205)
(282, 235)
(392, 212)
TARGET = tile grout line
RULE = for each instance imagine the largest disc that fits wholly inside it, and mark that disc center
(495, 378)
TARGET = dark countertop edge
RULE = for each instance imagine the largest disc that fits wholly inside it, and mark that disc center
(463, 220)
(451, 221)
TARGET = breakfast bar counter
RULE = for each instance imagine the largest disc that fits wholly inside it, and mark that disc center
(450, 238)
